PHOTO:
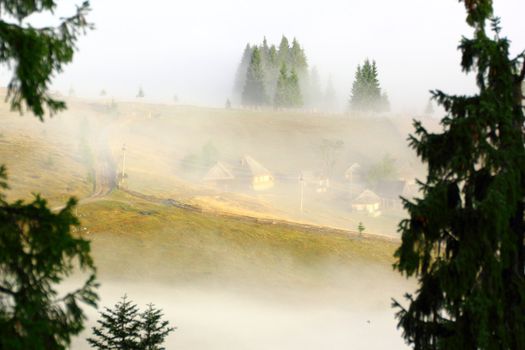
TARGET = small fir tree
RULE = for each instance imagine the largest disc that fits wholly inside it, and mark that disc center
(366, 92)
(298, 58)
(294, 91)
(254, 93)
(153, 329)
(240, 75)
(119, 328)
(281, 93)
(360, 229)
(284, 51)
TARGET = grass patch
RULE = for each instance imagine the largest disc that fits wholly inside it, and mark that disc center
(133, 238)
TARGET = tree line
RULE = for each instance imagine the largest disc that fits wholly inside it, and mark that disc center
(280, 76)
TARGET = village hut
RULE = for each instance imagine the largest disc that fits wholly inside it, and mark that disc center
(259, 178)
(367, 201)
(389, 191)
(219, 175)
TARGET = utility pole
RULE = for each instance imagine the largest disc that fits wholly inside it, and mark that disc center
(301, 184)
(350, 174)
(123, 172)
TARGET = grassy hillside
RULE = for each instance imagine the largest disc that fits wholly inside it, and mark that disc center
(136, 239)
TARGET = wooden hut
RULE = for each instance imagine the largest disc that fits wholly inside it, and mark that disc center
(389, 191)
(258, 176)
(367, 201)
(219, 175)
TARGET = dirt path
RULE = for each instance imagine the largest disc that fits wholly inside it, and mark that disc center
(104, 170)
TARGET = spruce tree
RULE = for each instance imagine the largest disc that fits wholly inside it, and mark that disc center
(265, 52)
(272, 57)
(298, 58)
(281, 92)
(240, 75)
(294, 91)
(360, 228)
(464, 239)
(366, 92)
(119, 328)
(153, 329)
(38, 249)
(272, 71)
(254, 93)
(284, 51)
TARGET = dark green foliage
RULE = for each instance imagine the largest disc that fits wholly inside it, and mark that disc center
(360, 228)
(265, 66)
(35, 54)
(119, 328)
(124, 328)
(295, 97)
(287, 93)
(366, 92)
(37, 247)
(464, 240)
(281, 92)
(284, 51)
(298, 58)
(254, 93)
(154, 329)
(37, 251)
(240, 76)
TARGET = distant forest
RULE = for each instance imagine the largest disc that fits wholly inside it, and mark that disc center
(280, 77)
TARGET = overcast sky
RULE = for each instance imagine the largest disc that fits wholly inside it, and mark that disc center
(192, 48)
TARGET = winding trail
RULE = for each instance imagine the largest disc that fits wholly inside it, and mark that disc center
(104, 169)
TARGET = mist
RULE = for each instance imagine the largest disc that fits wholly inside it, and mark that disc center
(192, 49)
(234, 267)
(250, 226)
